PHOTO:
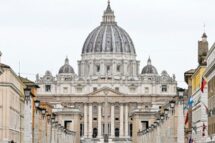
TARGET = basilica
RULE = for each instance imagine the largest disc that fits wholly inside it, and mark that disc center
(110, 99)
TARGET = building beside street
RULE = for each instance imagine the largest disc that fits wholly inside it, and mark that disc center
(1, 69)
(210, 75)
(188, 127)
(23, 119)
(198, 96)
(11, 106)
(29, 109)
(167, 126)
(108, 86)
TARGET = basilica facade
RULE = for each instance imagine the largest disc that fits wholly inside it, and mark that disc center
(102, 100)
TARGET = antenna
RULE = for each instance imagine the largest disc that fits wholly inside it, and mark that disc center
(204, 26)
(19, 69)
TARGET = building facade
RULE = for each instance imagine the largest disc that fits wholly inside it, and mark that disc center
(198, 100)
(210, 75)
(199, 108)
(188, 79)
(108, 86)
(167, 126)
(11, 106)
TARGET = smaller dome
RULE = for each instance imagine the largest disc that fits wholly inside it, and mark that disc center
(48, 73)
(66, 68)
(149, 68)
(204, 35)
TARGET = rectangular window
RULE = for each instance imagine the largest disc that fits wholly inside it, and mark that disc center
(118, 68)
(164, 88)
(67, 124)
(94, 89)
(108, 69)
(117, 88)
(146, 90)
(48, 88)
(98, 68)
(65, 90)
(79, 89)
(132, 90)
(145, 124)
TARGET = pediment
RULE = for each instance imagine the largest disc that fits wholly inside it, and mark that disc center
(105, 92)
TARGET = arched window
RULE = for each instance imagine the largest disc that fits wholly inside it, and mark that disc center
(97, 68)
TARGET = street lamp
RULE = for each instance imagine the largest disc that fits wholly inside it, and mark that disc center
(156, 124)
(55, 124)
(172, 105)
(37, 103)
(166, 112)
(59, 126)
(162, 117)
(52, 119)
(43, 112)
(27, 92)
(48, 117)
(181, 95)
(153, 126)
(158, 121)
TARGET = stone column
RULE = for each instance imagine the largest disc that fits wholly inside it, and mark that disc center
(136, 126)
(85, 121)
(90, 132)
(99, 121)
(76, 127)
(180, 127)
(126, 120)
(112, 121)
(121, 121)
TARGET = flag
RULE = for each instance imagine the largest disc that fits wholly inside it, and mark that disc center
(206, 108)
(203, 84)
(190, 102)
(186, 118)
(194, 129)
(190, 140)
(203, 129)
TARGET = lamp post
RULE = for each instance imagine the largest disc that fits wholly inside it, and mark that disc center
(158, 121)
(162, 117)
(48, 117)
(172, 105)
(27, 93)
(181, 95)
(43, 111)
(37, 104)
(166, 112)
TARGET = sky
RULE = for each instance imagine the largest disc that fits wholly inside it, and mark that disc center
(39, 34)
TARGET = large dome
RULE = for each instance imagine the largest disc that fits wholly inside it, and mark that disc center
(108, 37)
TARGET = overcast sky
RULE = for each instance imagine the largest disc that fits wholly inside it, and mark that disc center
(41, 33)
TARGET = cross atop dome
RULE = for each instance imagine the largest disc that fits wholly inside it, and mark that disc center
(149, 62)
(67, 60)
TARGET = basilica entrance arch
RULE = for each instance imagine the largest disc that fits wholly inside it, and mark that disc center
(116, 132)
(95, 132)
